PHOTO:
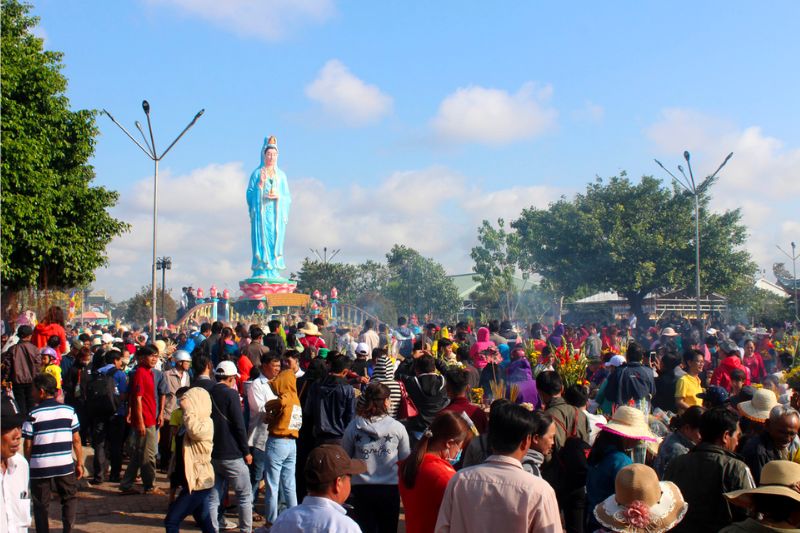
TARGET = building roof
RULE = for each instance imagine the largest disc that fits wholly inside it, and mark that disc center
(774, 288)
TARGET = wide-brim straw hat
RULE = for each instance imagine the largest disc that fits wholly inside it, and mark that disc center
(310, 329)
(640, 503)
(777, 479)
(668, 332)
(629, 422)
(759, 407)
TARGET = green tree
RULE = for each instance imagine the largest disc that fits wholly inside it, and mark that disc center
(137, 308)
(420, 285)
(632, 238)
(751, 305)
(318, 275)
(55, 224)
(496, 261)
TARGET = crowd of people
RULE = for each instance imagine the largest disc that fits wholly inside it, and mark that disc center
(301, 426)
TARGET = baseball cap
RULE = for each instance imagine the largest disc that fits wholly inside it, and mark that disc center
(226, 369)
(716, 396)
(10, 415)
(616, 360)
(181, 355)
(728, 346)
(329, 461)
(362, 348)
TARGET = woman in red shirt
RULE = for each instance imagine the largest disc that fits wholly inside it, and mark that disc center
(53, 324)
(424, 475)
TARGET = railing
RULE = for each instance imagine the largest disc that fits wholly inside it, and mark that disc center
(352, 316)
(199, 313)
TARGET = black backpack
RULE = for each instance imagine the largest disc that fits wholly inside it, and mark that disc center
(102, 399)
(571, 458)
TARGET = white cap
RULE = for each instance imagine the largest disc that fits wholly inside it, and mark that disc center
(616, 361)
(362, 348)
(711, 331)
(226, 369)
(107, 338)
(181, 355)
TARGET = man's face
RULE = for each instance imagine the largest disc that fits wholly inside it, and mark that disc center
(784, 430)
(732, 441)
(344, 489)
(293, 364)
(544, 444)
(185, 365)
(696, 365)
(271, 369)
(10, 442)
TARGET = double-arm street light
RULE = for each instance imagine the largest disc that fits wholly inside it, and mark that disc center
(695, 189)
(150, 151)
(795, 282)
(163, 264)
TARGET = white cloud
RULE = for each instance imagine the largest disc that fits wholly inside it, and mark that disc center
(346, 97)
(493, 116)
(204, 226)
(264, 19)
(761, 178)
(590, 112)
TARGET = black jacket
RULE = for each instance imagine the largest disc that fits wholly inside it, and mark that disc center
(230, 433)
(631, 381)
(331, 405)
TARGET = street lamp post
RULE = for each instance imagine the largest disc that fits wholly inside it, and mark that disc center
(163, 264)
(793, 257)
(150, 151)
(696, 190)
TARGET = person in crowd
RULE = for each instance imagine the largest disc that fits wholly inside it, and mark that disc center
(424, 475)
(143, 415)
(51, 365)
(203, 371)
(666, 381)
(610, 453)
(632, 381)
(193, 472)
(685, 434)
(594, 345)
(22, 362)
(456, 380)
(107, 397)
(715, 396)
(427, 390)
(230, 455)
(311, 339)
(331, 403)
(369, 336)
(284, 417)
(327, 334)
(708, 470)
(731, 361)
(520, 375)
(360, 366)
(689, 385)
(473, 375)
(478, 449)
(327, 474)
(518, 501)
(577, 396)
(476, 350)
(52, 324)
(774, 505)
(542, 440)
(383, 372)
(15, 503)
(380, 441)
(755, 412)
(258, 395)
(69, 358)
(603, 398)
(175, 378)
(571, 424)
(641, 503)
(273, 341)
(777, 441)
(51, 438)
(753, 361)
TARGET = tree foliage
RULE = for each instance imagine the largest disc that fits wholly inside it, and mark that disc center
(496, 260)
(750, 305)
(55, 224)
(138, 308)
(632, 238)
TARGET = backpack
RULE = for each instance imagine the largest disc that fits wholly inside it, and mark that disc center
(571, 459)
(102, 399)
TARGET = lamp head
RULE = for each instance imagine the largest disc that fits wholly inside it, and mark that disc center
(686, 155)
(146, 107)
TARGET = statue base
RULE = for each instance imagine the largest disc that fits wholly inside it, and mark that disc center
(260, 288)
(261, 296)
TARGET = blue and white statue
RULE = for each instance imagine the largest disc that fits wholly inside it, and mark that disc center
(268, 200)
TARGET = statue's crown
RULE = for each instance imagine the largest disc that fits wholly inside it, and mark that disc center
(272, 141)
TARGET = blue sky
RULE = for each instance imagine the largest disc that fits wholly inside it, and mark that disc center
(411, 122)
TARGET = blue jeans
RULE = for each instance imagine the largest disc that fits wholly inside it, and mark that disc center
(237, 476)
(257, 470)
(195, 504)
(280, 464)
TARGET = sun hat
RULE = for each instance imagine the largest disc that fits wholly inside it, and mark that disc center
(729, 347)
(97, 341)
(362, 348)
(10, 416)
(668, 332)
(226, 369)
(310, 329)
(716, 396)
(759, 407)
(327, 462)
(641, 503)
(616, 361)
(181, 355)
(161, 346)
(778, 478)
(107, 338)
(629, 422)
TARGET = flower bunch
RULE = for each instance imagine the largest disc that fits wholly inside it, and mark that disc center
(570, 364)
(476, 395)
(792, 378)
(534, 355)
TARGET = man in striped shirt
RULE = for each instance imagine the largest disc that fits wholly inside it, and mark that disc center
(51, 437)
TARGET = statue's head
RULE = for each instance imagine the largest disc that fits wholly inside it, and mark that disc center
(269, 154)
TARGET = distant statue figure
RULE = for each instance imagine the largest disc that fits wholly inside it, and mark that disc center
(268, 200)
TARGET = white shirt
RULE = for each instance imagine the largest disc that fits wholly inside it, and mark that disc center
(258, 394)
(593, 421)
(315, 515)
(15, 500)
